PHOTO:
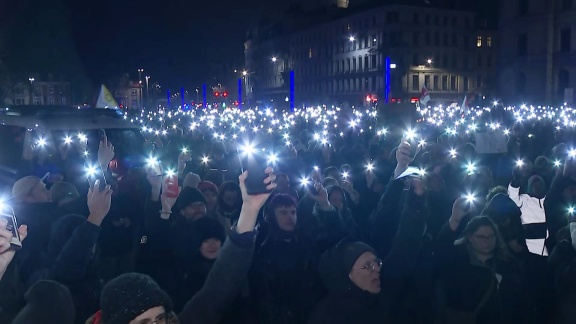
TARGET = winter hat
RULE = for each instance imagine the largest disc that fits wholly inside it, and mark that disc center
(336, 263)
(63, 190)
(502, 207)
(47, 302)
(531, 181)
(187, 197)
(207, 185)
(24, 186)
(129, 295)
(208, 228)
(191, 180)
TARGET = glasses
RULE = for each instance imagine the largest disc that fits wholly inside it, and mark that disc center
(161, 319)
(371, 267)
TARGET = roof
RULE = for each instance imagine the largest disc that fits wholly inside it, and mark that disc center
(63, 117)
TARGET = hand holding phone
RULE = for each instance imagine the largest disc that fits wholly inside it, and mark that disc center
(9, 233)
(255, 163)
(171, 188)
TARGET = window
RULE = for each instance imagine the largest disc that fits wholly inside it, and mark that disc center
(489, 41)
(348, 67)
(134, 103)
(489, 61)
(415, 38)
(427, 81)
(445, 21)
(454, 40)
(466, 84)
(366, 62)
(416, 18)
(436, 83)
(373, 59)
(565, 35)
(454, 21)
(522, 45)
(446, 40)
(478, 81)
(392, 17)
(436, 20)
(134, 92)
(360, 63)
(466, 42)
(437, 39)
(453, 84)
(415, 82)
(354, 63)
(51, 90)
(479, 61)
(428, 39)
(310, 53)
(479, 41)
(522, 7)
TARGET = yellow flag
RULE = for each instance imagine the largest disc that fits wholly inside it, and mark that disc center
(105, 99)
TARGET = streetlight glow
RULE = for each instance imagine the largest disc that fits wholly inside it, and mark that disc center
(393, 65)
(244, 73)
(274, 59)
(352, 38)
(429, 61)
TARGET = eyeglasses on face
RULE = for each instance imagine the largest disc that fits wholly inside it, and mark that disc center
(371, 267)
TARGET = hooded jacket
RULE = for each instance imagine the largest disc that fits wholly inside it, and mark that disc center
(533, 217)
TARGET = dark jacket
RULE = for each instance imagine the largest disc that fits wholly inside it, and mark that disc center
(322, 229)
(464, 280)
(284, 281)
(70, 261)
(355, 306)
(224, 282)
(562, 266)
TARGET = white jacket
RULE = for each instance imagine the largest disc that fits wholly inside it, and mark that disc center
(532, 213)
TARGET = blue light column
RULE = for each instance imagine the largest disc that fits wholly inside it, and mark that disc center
(168, 97)
(182, 95)
(292, 90)
(204, 94)
(240, 93)
(386, 79)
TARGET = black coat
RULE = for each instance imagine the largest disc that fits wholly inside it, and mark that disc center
(284, 281)
(464, 281)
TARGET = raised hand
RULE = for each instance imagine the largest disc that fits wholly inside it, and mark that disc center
(105, 153)
(6, 254)
(458, 213)
(99, 202)
(155, 181)
(321, 196)
(251, 204)
(403, 158)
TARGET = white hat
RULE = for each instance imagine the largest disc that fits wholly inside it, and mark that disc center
(24, 186)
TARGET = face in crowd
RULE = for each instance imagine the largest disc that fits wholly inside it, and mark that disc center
(365, 273)
(194, 211)
(210, 248)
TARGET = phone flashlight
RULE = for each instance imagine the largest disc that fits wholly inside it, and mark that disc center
(370, 167)
(519, 163)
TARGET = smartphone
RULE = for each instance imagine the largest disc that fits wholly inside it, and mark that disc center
(92, 181)
(102, 134)
(171, 186)
(255, 164)
(7, 213)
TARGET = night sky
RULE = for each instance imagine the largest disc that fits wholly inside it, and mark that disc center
(174, 41)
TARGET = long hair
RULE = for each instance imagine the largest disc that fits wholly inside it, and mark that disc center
(500, 250)
(229, 186)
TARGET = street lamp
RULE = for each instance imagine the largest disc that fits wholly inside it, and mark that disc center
(274, 59)
(429, 61)
(197, 95)
(244, 73)
(147, 92)
(392, 65)
(31, 82)
(352, 38)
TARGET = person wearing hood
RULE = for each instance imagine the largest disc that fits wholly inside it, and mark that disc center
(47, 302)
(283, 276)
(362, 288)
(562, 266)
(533, 214)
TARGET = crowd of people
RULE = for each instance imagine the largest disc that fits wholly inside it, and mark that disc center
(345, 232)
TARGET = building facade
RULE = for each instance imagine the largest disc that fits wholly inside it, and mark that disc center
(129, 95)
(38, 92)
(387, 51)
(537, 59)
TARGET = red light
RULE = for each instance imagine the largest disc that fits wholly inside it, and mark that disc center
(216, 94)
(414, 100)
(235, 103)
(368, 98)
(393, 100)
(225, 94)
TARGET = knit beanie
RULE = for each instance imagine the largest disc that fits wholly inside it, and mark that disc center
(336, 263)
(187, 197)
(207, 185)
(47, 302)
(208, 228)
(126, 297)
